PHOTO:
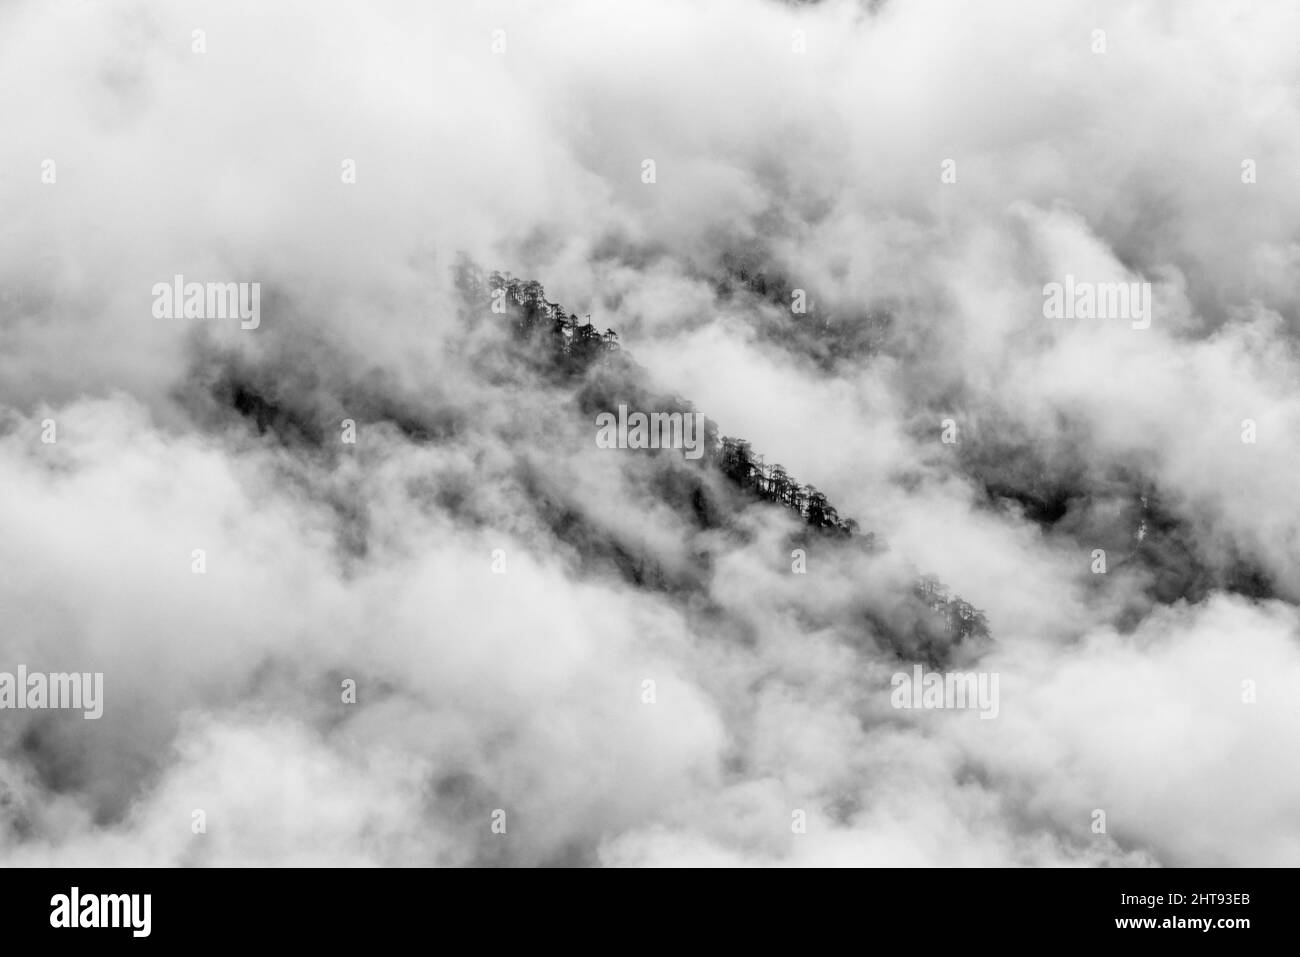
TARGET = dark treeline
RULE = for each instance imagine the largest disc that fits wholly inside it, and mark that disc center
(566, 346)
(576, 344)
(772, 483)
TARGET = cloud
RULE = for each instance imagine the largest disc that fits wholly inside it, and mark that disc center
(526, 691)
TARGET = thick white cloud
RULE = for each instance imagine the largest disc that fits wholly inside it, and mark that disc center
(524, 691)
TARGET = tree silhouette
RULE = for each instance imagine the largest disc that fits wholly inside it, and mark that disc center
(571, 348)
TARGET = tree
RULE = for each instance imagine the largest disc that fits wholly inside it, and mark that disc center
(781, 488)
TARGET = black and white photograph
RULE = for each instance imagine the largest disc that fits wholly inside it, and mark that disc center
(641, 434)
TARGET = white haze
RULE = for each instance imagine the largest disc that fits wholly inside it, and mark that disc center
(522, 691)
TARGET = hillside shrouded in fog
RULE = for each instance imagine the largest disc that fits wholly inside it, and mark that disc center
(829, 228)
